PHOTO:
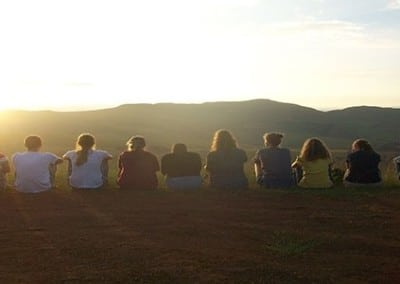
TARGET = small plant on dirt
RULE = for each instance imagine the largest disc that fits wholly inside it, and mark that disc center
(337, 175)
(289, 244)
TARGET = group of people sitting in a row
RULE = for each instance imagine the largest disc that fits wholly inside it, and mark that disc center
(137, 168)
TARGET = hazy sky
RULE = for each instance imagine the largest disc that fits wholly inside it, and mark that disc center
(96, 53)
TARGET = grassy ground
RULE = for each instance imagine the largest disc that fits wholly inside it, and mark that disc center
(256, 236)
(207, 236)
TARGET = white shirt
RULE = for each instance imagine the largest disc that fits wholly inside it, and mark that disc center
(89, 174)
(32, 171)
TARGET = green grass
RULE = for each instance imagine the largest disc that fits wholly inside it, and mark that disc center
(289, 244)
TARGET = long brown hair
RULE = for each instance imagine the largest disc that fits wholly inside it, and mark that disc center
(223, 140)
(84, 143)
(314, 149)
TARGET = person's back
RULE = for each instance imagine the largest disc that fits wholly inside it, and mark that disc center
(137, 167)
(138, 170)
(315, 162)
(225, 168)
(276, 169)
(362, 165)
(315, 173)
(86, 164)
(180, 165)
(181, 168)
(4, 169)
(34, 170)
(273, 164)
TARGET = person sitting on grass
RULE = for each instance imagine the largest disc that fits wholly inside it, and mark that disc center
(34, 170)
(225, 162)
(181, 168)
(87, 167)
(137, 167)
(4, 170)
(272, 164)
(314, 164)
(362, 166)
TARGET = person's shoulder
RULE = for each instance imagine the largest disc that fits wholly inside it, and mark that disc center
(50, 155)
(193, 154)
(47, 154)
(326, 161)
(125, 153)
(167, 156)
(212, 153)
(261, 151)
(69, 153)
(102, 153)
(16, 155)
(149, 154)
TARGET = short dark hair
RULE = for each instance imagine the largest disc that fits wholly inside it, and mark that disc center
(179, 148)
(33, 142)
(136, 142)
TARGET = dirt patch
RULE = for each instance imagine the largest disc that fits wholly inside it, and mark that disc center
(200, 237)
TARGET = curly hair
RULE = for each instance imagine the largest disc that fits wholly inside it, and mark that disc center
(314, 149)
(273, 139)
(223, 140)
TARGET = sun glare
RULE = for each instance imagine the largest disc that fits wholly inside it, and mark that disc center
(186, 51)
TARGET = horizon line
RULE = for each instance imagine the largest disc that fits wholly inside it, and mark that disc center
(67, 109)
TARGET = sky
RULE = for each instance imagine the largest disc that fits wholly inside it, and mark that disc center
(87, 54)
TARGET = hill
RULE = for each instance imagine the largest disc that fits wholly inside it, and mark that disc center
(164, 124)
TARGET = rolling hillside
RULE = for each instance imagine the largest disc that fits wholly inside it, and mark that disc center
(164, 124)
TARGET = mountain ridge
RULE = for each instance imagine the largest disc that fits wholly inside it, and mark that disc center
(166, 123)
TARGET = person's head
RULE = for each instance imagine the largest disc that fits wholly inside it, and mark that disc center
(223, 140)
(361, 145)
(136, 142)
(273, 139)
(84, 143)
(33, 143)
(314, 149)
(179, 148)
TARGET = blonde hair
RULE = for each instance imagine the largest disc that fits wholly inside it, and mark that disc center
(223, 140)
(84, 143)
(314, 149)
(273, 139)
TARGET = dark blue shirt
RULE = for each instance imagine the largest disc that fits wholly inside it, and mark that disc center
(363, 167)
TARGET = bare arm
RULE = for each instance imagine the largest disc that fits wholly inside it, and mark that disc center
(257, 170)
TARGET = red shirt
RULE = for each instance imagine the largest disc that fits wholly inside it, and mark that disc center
(137, 170)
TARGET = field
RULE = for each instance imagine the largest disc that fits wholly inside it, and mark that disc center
(207, 236)
(254, 236)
